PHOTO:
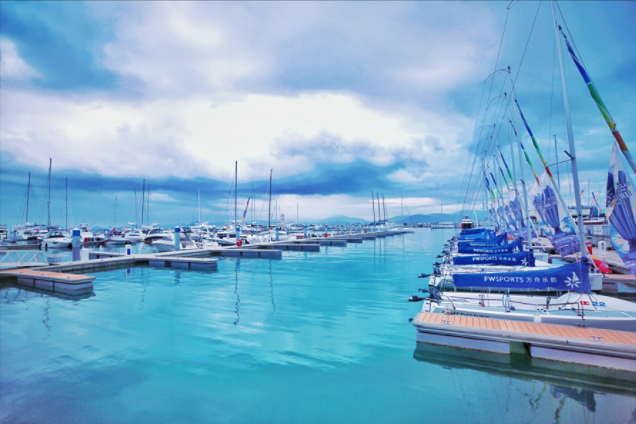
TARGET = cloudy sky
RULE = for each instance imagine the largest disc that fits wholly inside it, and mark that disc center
(338, 98)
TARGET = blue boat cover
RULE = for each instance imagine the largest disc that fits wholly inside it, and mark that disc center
(499, 240)
(513, 247)
(473, 231)
(512, 259)
(485, 235)
(569, 277)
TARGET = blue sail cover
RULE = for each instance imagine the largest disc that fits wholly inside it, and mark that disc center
(484, 235)
(570, 277)
(497, 241)
(511, 259)
(473, 231)
(514, 247)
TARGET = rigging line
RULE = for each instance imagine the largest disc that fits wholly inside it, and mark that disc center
(526, 48)
(552, 88)
(572, 39)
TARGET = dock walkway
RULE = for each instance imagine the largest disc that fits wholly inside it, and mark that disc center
(605, 348)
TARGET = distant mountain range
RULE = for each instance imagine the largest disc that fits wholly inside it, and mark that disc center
(431, 217)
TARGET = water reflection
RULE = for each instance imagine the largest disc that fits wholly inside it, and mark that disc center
(271, 285)
(564, 381)
(237, 268)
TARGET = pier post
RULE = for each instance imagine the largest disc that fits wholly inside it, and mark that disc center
(128, 249)
(177, 238)
(76, 244)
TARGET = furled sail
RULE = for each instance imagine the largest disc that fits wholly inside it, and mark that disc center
(621, 204)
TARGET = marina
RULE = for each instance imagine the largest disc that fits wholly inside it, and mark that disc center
(187, 234)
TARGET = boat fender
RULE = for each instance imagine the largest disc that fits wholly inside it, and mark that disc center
(85, 239)
(239, 243)
(416, 299)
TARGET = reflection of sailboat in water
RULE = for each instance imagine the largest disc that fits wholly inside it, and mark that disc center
(574, 382)
(238, 298)
(271, 285)
(177, 277)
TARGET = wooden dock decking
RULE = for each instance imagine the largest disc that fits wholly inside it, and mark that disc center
(606, 348)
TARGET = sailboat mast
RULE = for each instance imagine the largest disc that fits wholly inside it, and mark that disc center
(568, 122)
(235, 189)
(66, 226)
(296, 213)
(136, 208)
(28, 192)
(556, 157)
(384, 202)
(148, 206)
(199, 201)
(143, 201)
(522, 177)
(115, 211)
(49, 200)
(377, 195)
(402, 204)
(269, 208)
(373, 206)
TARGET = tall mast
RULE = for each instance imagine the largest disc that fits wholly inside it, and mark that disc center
(115, 211)
(269, 209)
(384, 204)
(373, 206)
(379, 213)
(235, 189)
(66, 226)
(556, 157)
(296, 213)
(402, 204)
(49, 201)
(522, 177)
(136, 208)
(568, 122)
(148, 206)
(143, 202)
(199, 201)
(441, 206)
(28, 192)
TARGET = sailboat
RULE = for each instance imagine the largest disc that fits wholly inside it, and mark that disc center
(442, 225)
(577, 306)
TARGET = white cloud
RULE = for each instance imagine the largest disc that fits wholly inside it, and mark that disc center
(190, 137)
(12, 67)
(161, 197)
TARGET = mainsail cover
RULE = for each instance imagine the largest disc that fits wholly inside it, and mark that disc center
(496, 241)
(511, 259)
(484, 235)
(570, 277)
(555, 216)
(621, 207)
(515, 246)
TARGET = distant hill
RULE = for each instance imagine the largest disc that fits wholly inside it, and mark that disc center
(432, 217)
(340, 219)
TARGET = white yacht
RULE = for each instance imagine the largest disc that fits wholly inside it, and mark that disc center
(56, 238)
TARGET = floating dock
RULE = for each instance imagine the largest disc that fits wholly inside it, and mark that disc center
(57, 278)
(52, 281)
(595, 347)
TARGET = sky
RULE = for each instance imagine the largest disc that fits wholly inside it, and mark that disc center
(335, 99)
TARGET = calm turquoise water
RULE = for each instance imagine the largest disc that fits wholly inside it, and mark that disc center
(314, 337)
